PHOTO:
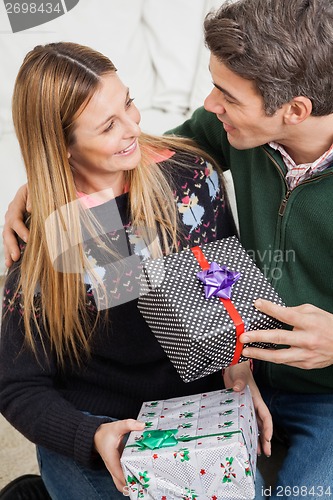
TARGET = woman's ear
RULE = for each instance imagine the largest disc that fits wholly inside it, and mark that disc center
(68, 155)
(298, 110)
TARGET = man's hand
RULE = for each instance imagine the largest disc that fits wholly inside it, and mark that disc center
(237, 377)
(310, 342)
(14, 225)
(108, 442)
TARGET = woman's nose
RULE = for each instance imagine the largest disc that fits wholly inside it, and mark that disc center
(132, 123)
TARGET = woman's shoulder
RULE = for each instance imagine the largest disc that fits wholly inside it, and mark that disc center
(192, 172)
(188, 166)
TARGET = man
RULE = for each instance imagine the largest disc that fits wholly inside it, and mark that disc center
(269, 118)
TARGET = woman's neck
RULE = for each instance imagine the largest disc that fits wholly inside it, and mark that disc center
(112, 185)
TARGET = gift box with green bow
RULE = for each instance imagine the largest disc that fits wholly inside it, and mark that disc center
(198, 447)
(198, 302)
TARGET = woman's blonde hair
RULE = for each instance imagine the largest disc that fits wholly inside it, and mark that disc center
(53, 86)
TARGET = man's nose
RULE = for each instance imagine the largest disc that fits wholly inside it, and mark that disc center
(213, 104)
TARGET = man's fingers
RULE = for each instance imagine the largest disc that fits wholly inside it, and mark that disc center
(292, 356)
(11, 249)
(8, 258)
(294, 316)
(279, 337)
(28, 204)
(20, 229)
(14, 224)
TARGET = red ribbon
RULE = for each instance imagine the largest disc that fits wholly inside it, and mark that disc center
(232, 311)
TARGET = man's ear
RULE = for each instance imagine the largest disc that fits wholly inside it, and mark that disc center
(297, 110)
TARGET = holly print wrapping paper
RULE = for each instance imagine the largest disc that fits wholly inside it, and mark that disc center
(198, 447)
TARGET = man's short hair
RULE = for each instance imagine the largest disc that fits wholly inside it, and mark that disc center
(284, 46)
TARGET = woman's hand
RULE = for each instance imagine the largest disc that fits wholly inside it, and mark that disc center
(14, 225)
(109, 444)
(237, 377)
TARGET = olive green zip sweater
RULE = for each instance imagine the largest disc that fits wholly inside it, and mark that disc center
(288, 233)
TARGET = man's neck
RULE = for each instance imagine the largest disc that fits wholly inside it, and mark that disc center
(309, 140)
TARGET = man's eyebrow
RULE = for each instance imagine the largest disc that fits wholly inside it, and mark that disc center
(221, 89)
(112, 116)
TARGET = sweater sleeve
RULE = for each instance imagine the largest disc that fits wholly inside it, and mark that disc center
(206, 130)
(30, 398)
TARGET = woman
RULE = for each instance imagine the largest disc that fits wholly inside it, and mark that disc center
(77, 359)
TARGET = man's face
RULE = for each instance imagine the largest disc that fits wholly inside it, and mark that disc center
(240, 107)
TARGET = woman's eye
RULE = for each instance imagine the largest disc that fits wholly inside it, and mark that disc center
(128, 104)
(109, 127)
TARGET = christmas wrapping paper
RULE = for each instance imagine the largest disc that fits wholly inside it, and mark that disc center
(197, 333)
(211, 453)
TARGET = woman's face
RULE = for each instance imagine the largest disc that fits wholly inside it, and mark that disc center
(106, 138)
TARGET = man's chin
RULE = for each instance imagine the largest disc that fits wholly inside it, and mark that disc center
(237, 143)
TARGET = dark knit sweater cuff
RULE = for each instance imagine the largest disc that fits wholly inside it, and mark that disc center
(84, 451)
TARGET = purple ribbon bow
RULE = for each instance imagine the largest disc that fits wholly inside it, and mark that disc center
(218, 281)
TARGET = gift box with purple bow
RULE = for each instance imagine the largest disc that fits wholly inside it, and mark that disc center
(198, 301)
(201, 447)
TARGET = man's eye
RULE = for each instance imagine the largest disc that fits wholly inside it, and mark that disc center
(228, 99)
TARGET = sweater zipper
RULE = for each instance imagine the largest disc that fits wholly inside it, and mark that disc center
(284, 202)
(281, 212)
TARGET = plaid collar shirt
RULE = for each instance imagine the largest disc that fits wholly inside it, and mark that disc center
(303, 171)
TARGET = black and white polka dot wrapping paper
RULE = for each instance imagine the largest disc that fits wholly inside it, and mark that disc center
(196, 333)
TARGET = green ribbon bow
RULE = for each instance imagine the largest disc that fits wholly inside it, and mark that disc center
(155, 439)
